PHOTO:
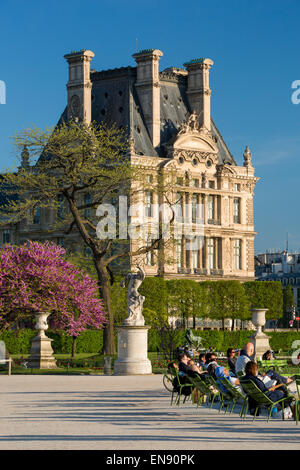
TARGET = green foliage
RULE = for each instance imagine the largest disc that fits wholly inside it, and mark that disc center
(90, 341)
(288, 298)
(19, 341)
(266, 294)
(280, 340)
(228, 300)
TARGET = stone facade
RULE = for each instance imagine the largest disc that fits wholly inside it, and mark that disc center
(168, 117)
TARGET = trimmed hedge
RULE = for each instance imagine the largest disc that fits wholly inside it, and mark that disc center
(91, 341)
(19, 341)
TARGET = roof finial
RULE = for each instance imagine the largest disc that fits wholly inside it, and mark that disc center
(247, 157)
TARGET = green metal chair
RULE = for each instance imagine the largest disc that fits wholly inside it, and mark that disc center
(276, 364)
(261, 398)
(236, 395)
(206, 390)
(297, 403)
(178, 385)
(225, 398)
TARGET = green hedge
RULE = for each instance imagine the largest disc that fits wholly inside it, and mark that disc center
(18, 342)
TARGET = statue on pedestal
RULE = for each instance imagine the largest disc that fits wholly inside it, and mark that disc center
(134, 299)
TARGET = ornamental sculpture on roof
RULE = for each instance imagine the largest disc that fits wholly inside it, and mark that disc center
(247, 157)
(193, 125)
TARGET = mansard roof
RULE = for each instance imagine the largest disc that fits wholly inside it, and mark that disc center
(115, 100)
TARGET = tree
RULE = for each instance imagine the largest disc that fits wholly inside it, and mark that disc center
(72, 160)
(266, 294)
(36, 278)
(288, 303)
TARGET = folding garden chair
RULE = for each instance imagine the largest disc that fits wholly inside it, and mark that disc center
(224, 396)
(236, 395)
(180, 381)
(297, 404)
(261, 398)
(206, 390)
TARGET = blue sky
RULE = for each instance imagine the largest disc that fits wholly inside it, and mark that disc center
(255, 48)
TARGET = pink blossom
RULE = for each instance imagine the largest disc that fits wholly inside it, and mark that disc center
(36, 277)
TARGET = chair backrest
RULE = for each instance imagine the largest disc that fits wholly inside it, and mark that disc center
(273, 363)
(254, 392)
(200, 384)
(216, 385)
(235, 392)
(297, 377)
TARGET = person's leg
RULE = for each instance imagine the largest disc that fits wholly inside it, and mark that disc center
(275, 376)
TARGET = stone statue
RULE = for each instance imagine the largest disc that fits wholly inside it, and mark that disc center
(193, 121)
(134, 299)
(247, 157)
(193, 340)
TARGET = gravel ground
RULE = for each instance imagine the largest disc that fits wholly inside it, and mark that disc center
(121, 413)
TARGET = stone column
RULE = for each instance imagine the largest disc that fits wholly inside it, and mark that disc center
(132, 351)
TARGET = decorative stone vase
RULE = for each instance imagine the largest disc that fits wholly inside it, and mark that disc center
(259, 339)
(41, 352)
(259, 318)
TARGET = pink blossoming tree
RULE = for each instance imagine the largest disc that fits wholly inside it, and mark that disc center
(36, 277)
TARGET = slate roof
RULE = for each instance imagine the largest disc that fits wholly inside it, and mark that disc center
(115, 100)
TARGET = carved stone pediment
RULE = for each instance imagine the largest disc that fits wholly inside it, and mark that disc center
(224, 170)
(193, 140)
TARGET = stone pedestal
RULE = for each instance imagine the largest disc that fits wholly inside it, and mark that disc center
(41, 354)
(132, 351)
(259, 339)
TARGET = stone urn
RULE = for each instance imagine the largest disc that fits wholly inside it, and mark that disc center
(259, 339)
(259, 318)
(41, 352)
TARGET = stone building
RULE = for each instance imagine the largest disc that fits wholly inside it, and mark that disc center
(168, 117)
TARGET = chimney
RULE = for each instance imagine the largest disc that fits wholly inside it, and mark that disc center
(148, 90)
(79, 86)
(198, 91)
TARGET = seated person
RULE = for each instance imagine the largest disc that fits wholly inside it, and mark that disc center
(267, 356)
(223, 373)
(251, 373)
(245, 356)
(172, 365)
(201, 361)
(231, 359)
(211, 364)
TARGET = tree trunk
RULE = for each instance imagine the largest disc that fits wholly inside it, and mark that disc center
(223, 324)
(74, 346)
(104, 289)
(232, 325)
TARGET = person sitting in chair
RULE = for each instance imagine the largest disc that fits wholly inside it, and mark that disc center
(251, 373)
(267, 356)
(231, 359)
(223, 373)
